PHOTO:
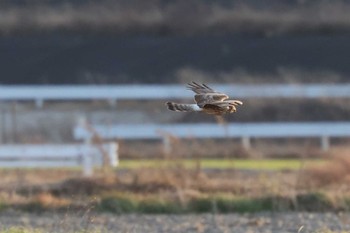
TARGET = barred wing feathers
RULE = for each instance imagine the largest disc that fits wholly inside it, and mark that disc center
(207, 100)
(205, 95)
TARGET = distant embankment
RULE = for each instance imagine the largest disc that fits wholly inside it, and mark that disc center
(96, 59)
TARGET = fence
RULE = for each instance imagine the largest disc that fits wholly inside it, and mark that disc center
(245, 131)
(50, 155)
(30, 157)
(40, 93)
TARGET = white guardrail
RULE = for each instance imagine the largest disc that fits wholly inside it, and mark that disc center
(245, 131)
(68, 155)
(40, 93)
(86, 156)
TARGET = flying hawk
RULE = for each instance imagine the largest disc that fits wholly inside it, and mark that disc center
(207, 100)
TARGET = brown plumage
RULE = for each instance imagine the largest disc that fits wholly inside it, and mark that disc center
(207, 100)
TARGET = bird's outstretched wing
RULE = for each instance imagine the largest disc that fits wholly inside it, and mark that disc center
(205, 95)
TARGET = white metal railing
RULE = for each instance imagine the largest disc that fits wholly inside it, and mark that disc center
(52, 155)
(41, 93)
(245, 131)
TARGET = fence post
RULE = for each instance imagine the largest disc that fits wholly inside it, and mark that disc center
(325, 143)
(39, 103)
(113, 154)
(246, 142)
(87, 160)
(112, 103)
(166, 145)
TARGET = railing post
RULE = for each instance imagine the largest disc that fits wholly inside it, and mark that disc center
(39, 103)
(166, 145)
(113, 154)
(87, 160)
(325, 143)
(112, 103)
(246, 142)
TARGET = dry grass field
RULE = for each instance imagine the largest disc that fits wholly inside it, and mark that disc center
(176, 186)
(314, 198)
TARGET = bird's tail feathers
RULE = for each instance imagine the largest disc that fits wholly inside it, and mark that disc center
(183, 107)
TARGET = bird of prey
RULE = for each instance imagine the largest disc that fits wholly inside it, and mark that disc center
(207, 100)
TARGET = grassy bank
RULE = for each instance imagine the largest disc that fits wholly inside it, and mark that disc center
(221, 203)
(224, 204)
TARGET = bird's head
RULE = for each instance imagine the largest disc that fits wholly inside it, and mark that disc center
(232, 109)
(233, 104)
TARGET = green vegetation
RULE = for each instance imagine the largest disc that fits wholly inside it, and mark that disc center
(117, 205)
(120, 203)
(227, 205)
(254, 164)
(221, 204)
(21, 230)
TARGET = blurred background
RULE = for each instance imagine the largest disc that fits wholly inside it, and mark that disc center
(166, 44)
(169, 42)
